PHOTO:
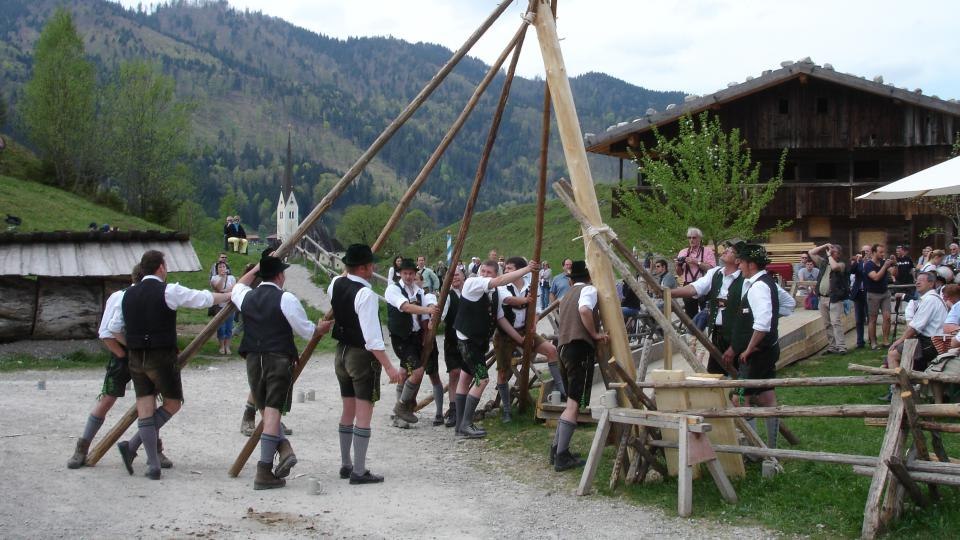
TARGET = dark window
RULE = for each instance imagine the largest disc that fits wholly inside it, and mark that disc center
(863, 170)
(784, 106)
(790, 171)
(826, 171)
(822, 105)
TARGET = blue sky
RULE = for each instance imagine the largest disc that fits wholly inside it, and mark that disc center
(696, 46)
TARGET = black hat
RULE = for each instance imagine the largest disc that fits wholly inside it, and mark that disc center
(732, 242)
(578, 271)
(358, 254)
(407, 264)
(753, 253)
(270, 266)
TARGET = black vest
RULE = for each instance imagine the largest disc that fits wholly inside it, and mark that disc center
(149, 322)
(265, 327)
(743, 329)
(346, 327)
(477, 320)
(510, 312)
(400, 324)
(449, 332)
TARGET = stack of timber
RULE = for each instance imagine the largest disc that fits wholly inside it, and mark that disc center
(788, 252)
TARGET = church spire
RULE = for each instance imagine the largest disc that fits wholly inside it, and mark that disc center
(287, 186)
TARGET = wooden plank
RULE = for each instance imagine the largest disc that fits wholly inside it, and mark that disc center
(723, 483)
(724, 431)
(621, 455)
(596, 452)
(671, 400)
(903, 476)
(685, 472)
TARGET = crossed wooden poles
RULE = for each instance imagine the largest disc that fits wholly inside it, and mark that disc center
(515, 46)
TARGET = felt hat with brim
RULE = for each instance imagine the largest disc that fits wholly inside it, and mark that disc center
(579, 270)
(270, 266)
(358, 254)
(753, 253)
(407, 264)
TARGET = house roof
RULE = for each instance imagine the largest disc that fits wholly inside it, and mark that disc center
(91, 254)
(601, 142)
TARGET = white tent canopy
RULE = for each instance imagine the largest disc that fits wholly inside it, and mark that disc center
(942, 179)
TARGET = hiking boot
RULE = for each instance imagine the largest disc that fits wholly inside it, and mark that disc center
(265, 478)
(286, 461)
(153, 474)
(345, 471)
(438, 420)
(471, 432)
(126, 455)
(398, 423)
(565, 461)
(505, 417)
(165, 463)
(365, 478)
(285, 429)
(451, 417)
(248, 424)
(404, 411)
(79, 457)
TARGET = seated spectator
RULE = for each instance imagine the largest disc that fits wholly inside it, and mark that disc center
(953, 257)
(236, 236)
(933, 261)
(630, 304)
(924, 257)
(809, 272)
(951, 296)
(927, 322)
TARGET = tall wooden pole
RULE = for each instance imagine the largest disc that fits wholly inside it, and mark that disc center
(583, 188)
(183, 358)
(531, 323)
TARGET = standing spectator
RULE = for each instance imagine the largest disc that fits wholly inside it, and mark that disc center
(905, 271)
(953, 257)
(561, 283)
(858, 292)
(431, 283)
(924, 257)
(877, 272)
(692, 262)
(223, 282)
(441, 271)
(544, 291)
(474, 267)
(222, 258)
(237, 237)
(393, 274)
(833, 287)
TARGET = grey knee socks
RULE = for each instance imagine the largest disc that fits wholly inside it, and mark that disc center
(409, 392)
(504, 390)
(438, 398)
(160, 417)
(346, 441)
(268, 447)
(773, 429)
(93, 425)
(361, 439)
(469, 406)
(147, 429)
(564, 434)
(460, 404)
(554, 368)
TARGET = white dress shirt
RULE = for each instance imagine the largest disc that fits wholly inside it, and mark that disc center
(395, 298)
(291, 307)
(703, 285)
(473, 289)
(365, 304)
(930, 315)
(588, 297)
(760, 302)
(446, 305)
(109, 309)
(175, 296)
(521, 313)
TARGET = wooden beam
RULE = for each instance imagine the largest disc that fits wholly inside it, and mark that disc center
(576, 157)
(596, 451)
(951, 410)
(781, 453)
(763, 383)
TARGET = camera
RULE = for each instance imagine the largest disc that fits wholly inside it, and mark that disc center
(681, 260)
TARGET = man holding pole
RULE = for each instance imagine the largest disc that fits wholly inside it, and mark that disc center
(359, 359)
(147, 324)
(271, 316)
(405, 312)
(477, 315)
(579, 335)
(451, 352)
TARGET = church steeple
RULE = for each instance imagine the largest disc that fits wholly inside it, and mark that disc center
(287, 186)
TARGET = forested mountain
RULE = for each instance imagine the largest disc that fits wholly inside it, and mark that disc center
(253, 77)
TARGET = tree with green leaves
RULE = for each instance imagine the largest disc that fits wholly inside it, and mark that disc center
(148, 136)
(60, 103)
(362, 223)
(3, 110)
(703, 178)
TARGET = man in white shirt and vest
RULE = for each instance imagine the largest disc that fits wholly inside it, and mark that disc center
(405, 320)
(927, 322)
(271, 316)
(451, 352)
(477, 314)
(147, 325)
(359, 359)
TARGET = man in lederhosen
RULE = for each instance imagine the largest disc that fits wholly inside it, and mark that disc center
(451, 352)
(405, 309)
(359, 359)
(270, 317)
(477, 314)
(754, 340)
(578, 338)
(147, 324)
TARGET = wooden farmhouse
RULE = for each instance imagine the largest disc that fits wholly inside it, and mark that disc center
(845, 135)
(54, 284)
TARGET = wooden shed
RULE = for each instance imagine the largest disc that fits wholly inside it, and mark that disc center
(845, 135)
(54, 284)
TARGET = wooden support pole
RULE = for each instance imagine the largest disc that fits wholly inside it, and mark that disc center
(641, 397)
(531, 327)
(915, 376)
(763, 383)
(951, 410)
(903, 476)
(596, 450)
(926, 478)
(781, 453)
(667, 344)
(584, 191)
(308, 222)
(474, 193)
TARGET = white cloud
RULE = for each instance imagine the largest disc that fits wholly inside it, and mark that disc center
(693, 45)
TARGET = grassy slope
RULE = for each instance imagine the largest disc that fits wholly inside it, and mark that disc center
(510, 231)
(816, 499)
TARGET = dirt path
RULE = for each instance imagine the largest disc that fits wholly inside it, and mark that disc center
(298, 282)
(436, 486)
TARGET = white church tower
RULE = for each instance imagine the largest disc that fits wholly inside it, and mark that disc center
(288, 213)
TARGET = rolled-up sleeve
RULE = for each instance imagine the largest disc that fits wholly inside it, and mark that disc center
(238, 293)
(116, 324)
(759, 298)
(177, 295)
(297, 317)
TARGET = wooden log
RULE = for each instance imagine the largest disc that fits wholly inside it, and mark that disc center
(67, 308)
(571, 136)
(788, 434)
(951, 410)
(596, 451)
(620, 456)
(915, 376)
(667, 344)
(684, 472)
(635, 390)
(782, 453)
(940, 427)
(925, 478)
(903, 476)
(780, 383)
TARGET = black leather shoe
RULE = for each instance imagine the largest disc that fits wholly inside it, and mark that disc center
(365, 478)
(565, 461)
(127, 456)
(345, 472)
(153, 474)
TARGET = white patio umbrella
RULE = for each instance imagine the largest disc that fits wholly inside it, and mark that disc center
(941, 179)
